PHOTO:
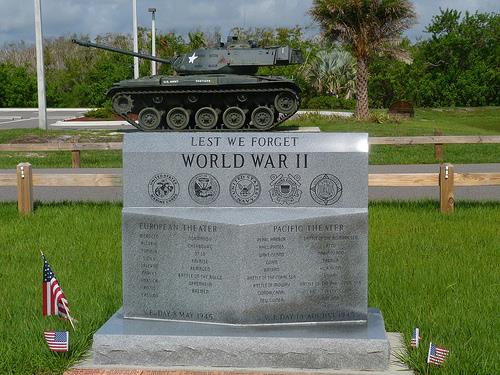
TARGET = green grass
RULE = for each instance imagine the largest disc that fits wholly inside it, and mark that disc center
(56, 159)
(82, 244)
(452, 121)
(457, 121)
(62, 159)
(437, 272)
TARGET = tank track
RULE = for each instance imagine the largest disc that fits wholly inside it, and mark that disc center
(248, 127)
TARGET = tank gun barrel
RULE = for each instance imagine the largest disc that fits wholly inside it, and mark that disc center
(117, 50)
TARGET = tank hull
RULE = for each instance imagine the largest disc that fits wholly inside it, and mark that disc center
(205, 102)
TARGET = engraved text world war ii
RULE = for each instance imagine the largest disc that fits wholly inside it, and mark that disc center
(239, 248)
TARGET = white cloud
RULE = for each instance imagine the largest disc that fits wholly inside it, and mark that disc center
(65, 17)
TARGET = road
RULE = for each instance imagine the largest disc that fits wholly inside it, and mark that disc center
(481, 193)
(26, 118)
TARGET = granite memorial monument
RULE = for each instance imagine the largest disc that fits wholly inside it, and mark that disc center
(246, 250)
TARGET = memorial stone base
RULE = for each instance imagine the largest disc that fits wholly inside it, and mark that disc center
(149, 343)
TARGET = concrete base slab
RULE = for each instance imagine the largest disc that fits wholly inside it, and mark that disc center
(148, 343)
(396, 367)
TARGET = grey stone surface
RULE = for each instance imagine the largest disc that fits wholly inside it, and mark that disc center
(256, 228)
(245, 250)
(245, 265)
(245, 169)
(319, 346)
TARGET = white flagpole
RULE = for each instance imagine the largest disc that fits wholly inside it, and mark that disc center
(429, 354)
(42, 105)
(136, 41)
(153, 39)
(69, 316)
(417, 338)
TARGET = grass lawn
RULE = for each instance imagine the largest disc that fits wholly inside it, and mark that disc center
(457, 121)
(433, 271)
(465, 121)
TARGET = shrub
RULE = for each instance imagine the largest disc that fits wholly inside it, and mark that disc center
(329, 102)
(105, 112)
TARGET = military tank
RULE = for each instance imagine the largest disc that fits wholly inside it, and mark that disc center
(214, 88)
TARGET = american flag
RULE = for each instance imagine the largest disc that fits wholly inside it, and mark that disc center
(54, 301)
(436, 354)
(415, 338)
(57, 341)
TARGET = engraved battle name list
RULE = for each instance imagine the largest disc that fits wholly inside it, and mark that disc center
(244, 228)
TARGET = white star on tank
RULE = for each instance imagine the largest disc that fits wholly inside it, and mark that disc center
(192, 58)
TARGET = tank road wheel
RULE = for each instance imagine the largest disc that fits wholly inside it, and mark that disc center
(263, 118)
(149, 118)
(234, 118)
(122, 104)
(285, 102)
(206, 118)
(178, 118)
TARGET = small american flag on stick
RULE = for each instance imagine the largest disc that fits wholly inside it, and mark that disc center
(436, 354)
(57, 341)
(54, 300)
(415, 338)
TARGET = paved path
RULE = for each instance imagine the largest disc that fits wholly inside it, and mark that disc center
(480, 193)
(27, 118)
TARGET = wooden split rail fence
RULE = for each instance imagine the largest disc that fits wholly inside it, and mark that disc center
(77, 148)
(446, 179)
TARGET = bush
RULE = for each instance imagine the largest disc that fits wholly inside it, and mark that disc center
(385, 118)
(329, 102)
(17, 87)
(104, 113)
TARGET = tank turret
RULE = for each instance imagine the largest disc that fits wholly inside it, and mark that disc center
(213, 88)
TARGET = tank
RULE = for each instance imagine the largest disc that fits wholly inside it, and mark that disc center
(213, 88)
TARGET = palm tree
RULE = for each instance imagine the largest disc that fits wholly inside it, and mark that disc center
(332, 73)
(369, 27)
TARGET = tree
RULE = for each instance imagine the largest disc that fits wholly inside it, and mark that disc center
(368, 27)
(458, 64)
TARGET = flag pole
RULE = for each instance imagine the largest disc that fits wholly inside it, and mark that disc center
(429, 352)
(42, 101)
(69, 316)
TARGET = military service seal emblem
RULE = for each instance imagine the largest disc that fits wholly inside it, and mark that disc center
(245, 189)
(285, 189)
(204, 189)
(163, 188)
(326, 189)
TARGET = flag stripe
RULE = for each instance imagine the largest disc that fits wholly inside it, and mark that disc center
(436, 354)
(54, 300)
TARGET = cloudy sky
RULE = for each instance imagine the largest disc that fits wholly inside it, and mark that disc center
(65, 17)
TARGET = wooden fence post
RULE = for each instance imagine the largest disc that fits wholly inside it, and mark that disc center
(24, 188)
(438, 147)
(446, 188)
(75, 158)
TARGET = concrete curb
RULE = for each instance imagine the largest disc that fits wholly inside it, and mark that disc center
(325, 113)
(48, 109)
(79, 124)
